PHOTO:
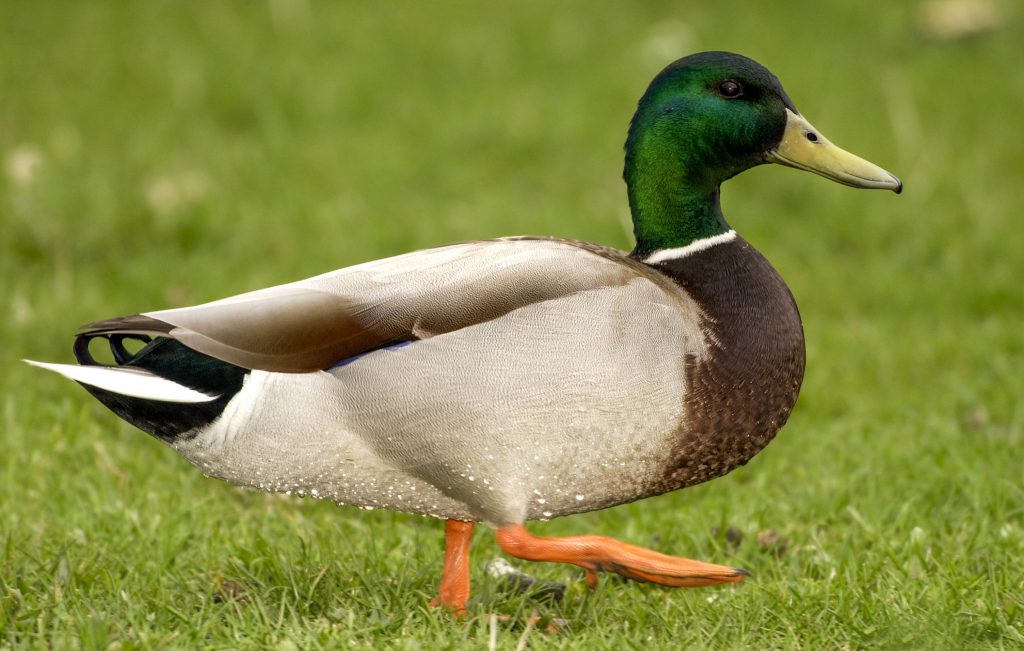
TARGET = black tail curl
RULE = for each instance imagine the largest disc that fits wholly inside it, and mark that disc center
(117, 349)
(171, 360)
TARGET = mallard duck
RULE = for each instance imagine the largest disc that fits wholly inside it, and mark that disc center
(515, 379)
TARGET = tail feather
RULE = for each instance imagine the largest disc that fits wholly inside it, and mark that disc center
(128, 381)
(164, 388)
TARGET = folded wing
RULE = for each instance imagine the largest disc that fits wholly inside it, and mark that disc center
(314, 323)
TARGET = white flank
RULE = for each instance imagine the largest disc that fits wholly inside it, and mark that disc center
(691, 248)
(132, 382)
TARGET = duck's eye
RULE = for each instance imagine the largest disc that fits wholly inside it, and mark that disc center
(730, 89)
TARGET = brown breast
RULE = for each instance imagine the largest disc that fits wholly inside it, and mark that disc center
(742, 393)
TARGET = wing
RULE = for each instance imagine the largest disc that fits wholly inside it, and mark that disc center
(314, 323)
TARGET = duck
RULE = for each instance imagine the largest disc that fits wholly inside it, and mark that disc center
(516, 379)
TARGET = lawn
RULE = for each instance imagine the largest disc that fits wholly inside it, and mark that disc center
(158, 154)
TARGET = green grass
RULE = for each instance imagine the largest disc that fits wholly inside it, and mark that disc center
(179, 153)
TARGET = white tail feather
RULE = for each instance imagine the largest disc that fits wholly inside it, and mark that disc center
(127, 381)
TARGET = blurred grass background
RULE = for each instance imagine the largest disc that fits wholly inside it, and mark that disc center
(160, 153)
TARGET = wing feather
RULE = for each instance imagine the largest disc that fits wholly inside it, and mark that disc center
(311, 324)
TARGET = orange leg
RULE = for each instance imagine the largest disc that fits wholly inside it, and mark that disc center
(454, 590)
(594, 553)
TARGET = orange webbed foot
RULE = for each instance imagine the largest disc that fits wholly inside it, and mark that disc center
(598, 553)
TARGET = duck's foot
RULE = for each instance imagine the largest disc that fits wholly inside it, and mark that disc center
(598, 553)
(454, 590)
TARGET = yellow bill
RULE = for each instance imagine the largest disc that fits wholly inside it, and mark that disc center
(803, 147)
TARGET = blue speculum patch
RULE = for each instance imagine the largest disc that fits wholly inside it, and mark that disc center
(349, 360)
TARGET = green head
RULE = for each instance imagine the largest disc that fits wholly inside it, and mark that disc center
(704, 119)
